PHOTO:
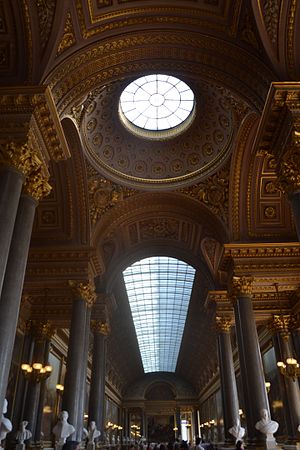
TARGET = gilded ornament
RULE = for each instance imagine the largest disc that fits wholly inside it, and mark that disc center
(288, 171)
(36, 185)
(101, 327)
(283, 324)
(84, 290)
(241, 286)
(40, 329)
(19, 156)
(223, 324)
(68, 39)
(270, 212)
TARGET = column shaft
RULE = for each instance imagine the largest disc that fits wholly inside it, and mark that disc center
(228, 384)
(40, 408)
(11, 182)
(97, 391)
(13, 285)
(81, 408)
(73, 379)
(253, 381)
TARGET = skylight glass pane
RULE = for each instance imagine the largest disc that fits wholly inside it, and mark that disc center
(159, 290)
(162, 93)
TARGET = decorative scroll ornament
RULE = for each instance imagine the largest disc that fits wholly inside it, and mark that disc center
(223, 323)
(240, 286)
(84, 290)
(213, 192)
(100, 327)
(68, 39)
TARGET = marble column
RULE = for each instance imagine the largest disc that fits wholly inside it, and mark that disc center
(76, 359)
(230, 402)
(296, 339)
(281, 327)
(11, 181)
(84, 371)
(252, 373)
(97, 391)
(13, 285)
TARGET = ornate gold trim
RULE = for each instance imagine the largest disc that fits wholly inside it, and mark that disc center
(223, 324)
(84, 290)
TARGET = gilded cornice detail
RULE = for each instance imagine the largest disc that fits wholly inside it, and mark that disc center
(31, 111)
(223, 324)
(100, 327)
(291, 39)
(84, 290)
(68, 39)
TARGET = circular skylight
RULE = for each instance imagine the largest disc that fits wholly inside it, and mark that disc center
(157, 106)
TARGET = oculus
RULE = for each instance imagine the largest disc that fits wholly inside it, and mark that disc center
(157, 106)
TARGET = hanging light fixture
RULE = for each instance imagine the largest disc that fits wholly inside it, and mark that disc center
(36, 372)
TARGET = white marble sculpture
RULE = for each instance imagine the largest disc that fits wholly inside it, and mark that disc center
(237, 430)
(92, 434)
(6, 425)
(22, 435)
(268, 427)
(62, 430)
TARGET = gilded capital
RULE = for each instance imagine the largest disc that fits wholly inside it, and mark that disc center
(240, 286)
(37, 186)
(288, 171)
(283, 324)
(40, 330)
(100, 327)
(19, 156)
(84, 290)
(223, 324)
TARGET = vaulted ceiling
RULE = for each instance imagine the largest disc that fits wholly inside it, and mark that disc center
(119, 198)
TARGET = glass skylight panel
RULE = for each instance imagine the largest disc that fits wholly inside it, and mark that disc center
(159, 290)
(156, 98)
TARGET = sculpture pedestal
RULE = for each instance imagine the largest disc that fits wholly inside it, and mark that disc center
(91, 446)
(20, 447)
(271, 443)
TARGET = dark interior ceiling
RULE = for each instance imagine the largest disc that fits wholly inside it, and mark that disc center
(100, 217)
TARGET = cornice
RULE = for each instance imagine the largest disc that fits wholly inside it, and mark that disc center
(30, 113)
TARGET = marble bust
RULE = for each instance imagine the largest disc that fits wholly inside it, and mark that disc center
(266, 425)
(6, 425)
(63, 429)
(237, 430)
(23, 434)
(93, 433)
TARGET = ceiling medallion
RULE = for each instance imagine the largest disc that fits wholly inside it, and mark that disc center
(157, 106)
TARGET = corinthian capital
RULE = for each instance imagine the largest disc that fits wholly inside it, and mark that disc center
(37, 186)
(223, 324)
(289, 170)
(240, 286)
(84, 290)
(283, 324)
(19, 156)
(100, 327)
